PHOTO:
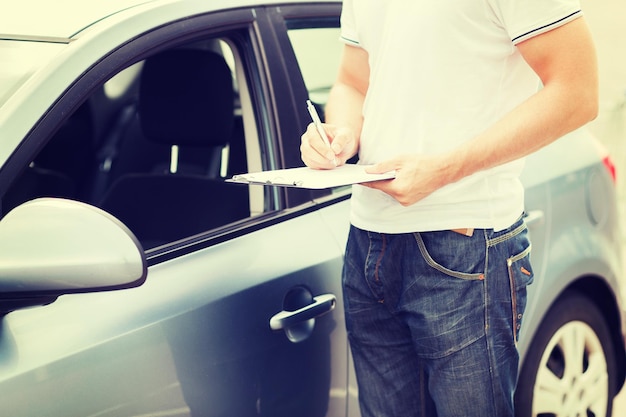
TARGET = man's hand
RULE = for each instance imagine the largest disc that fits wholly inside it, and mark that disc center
(343, 114)
(417, 176)
(317, 155)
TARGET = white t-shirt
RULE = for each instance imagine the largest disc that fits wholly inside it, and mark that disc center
(441, 72)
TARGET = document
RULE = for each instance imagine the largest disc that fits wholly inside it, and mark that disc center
(306, 177)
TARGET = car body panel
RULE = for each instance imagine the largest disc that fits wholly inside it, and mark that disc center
(566, 250)
(208, 325)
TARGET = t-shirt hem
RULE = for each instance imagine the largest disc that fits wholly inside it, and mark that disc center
(500, 223)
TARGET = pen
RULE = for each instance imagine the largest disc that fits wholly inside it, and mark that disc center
(318, 125)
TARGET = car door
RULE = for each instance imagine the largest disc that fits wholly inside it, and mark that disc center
(241, 318)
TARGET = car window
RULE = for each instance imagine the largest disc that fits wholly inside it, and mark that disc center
(154, 145)
(318, 51)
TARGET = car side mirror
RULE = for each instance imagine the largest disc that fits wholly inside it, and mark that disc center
(50, 247)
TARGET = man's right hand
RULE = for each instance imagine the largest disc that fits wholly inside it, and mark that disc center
(317, 155)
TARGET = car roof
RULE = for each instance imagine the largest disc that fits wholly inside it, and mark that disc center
(62, 19)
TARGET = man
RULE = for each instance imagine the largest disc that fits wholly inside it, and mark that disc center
(446, 94)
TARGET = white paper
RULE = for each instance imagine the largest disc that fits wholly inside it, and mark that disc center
(306, 177)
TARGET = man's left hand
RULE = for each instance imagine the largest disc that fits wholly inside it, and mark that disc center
(417, 176)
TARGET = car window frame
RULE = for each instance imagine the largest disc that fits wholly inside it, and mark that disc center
(124, 56)
(265, 37)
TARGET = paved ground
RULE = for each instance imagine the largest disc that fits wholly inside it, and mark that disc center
(606, 20)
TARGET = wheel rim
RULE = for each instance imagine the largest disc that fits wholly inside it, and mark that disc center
(572, 379)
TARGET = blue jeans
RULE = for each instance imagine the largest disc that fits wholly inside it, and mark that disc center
(433, 320)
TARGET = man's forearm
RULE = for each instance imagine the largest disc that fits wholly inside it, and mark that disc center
(566, 63)
(545, 117)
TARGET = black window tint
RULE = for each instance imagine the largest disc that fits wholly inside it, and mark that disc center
(153, 146)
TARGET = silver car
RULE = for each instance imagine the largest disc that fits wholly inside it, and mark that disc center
(135, 281)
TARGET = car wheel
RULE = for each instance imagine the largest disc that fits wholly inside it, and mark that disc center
(570, 365)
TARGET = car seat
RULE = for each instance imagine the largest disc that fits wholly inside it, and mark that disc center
(171, 188)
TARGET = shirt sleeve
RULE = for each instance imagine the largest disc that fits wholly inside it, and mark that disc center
(349, 34)
(525, 19)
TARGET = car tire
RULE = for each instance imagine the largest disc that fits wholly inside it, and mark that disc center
(569, 369)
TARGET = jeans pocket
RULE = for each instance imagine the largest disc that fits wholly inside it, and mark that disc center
(453, 254)
(520, 276)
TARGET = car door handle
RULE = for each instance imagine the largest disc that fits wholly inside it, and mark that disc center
(321, 305)
(533, 217)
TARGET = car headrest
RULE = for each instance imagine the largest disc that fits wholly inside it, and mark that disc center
(186, 97)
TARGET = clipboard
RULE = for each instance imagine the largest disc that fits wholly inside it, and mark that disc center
(305, 177)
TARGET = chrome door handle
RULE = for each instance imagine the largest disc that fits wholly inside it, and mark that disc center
(321, 305)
